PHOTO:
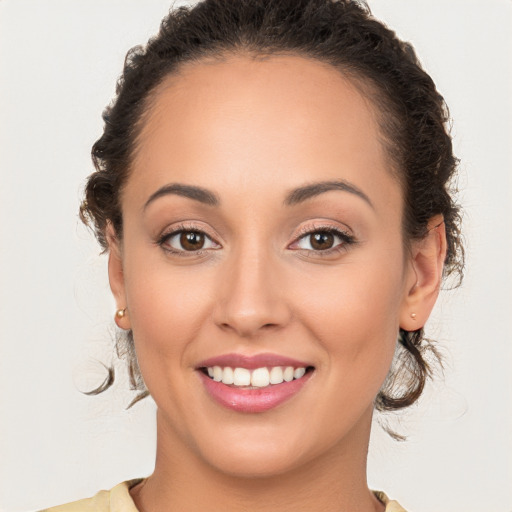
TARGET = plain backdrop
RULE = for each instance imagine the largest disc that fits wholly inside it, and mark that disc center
(59, 60)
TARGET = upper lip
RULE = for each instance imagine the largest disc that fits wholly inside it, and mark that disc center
(252, 362)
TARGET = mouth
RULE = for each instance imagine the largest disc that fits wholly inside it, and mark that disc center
(253, 384)
(258, 378)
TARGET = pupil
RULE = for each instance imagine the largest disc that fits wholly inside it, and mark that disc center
(192, 240)
(322, 240)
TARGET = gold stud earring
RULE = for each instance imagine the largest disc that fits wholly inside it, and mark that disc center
(413, 316)
(120, 313)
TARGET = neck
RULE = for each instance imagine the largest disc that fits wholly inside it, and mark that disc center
(333, 482)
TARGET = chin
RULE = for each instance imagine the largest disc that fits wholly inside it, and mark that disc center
(262, 453)
(256, 463)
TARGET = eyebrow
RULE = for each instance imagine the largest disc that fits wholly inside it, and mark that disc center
(294, 197)
(200, 194)
(306, 192)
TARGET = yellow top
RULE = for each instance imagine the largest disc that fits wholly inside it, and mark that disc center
(118, 499)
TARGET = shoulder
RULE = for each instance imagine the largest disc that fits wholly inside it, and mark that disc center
(391, 505)
(115, 500)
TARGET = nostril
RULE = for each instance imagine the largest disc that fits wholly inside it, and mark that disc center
(250, 314)
(248, 327)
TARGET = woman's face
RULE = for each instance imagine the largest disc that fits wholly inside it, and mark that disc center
(262, 229)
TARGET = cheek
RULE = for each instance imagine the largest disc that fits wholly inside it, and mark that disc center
(354, 316)
(167, 309)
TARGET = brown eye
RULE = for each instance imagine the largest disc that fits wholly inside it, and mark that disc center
(187, 241)
(192, 240)
(321, 241)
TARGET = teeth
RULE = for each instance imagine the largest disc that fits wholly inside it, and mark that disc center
(241, 377)
(276, 375)
(227, 376)
(258, 378)
(217, 373)
(299, 372)
(288, 374)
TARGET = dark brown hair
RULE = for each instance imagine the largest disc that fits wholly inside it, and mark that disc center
(412, 114)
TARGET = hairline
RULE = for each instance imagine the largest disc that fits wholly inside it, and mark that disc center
(379, 102)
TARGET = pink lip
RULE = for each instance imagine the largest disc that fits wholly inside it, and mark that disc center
(253, 400)
(252, 362)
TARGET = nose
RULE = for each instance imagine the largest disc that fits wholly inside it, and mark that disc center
(252, 295)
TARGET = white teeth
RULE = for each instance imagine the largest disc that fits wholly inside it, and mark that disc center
(227, 375)
(276, 375)
(217, 373)
(241, 377)
(258, 378)
(288, 374)
(299, 372)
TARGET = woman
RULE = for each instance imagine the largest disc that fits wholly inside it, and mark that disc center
(272, 189)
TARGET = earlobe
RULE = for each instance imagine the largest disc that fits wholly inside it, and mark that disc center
(116, 277)
(425, 275)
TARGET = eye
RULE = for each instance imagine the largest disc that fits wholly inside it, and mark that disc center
(323, 240)
(319, 241)
(187, 240)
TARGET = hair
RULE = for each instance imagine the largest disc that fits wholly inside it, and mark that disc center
(413, 119)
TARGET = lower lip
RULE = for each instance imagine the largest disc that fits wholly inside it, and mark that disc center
(253, 400)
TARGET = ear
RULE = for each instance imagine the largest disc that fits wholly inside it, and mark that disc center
(424, 275)
(116, 277)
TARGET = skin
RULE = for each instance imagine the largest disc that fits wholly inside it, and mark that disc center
(250, 131)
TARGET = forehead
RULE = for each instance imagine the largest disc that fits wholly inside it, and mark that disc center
(224, 121)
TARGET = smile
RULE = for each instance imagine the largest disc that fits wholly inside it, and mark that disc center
(257, 378)
(253, 384)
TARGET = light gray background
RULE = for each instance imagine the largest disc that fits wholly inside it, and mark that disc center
(58, 64)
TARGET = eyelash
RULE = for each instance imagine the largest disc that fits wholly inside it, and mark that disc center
(346, 240)
(182, 228)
